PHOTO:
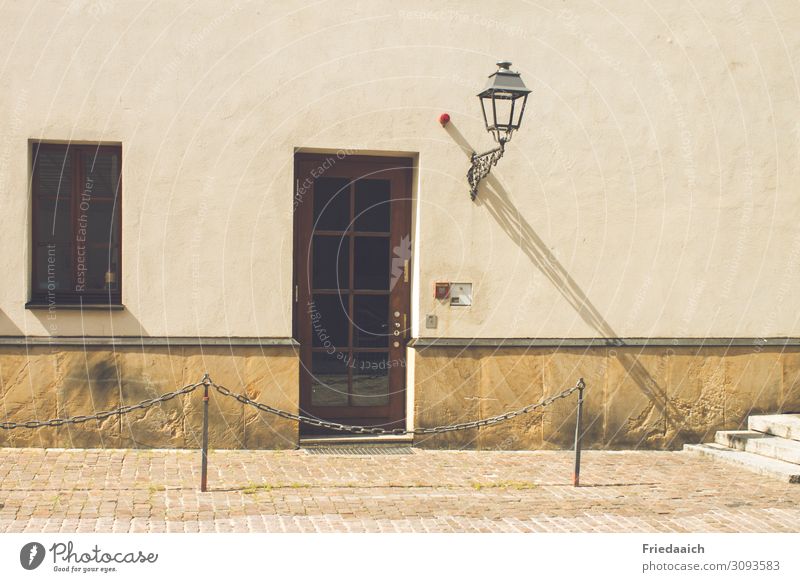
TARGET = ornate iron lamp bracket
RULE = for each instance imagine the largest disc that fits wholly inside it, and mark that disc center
(482, 165)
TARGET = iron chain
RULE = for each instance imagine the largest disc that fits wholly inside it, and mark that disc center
(101, 415)
(355, 429)
(397, 431)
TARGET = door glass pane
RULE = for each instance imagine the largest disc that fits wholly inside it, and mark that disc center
(53, 172)
(370, 379)
(329, 379)
(101, 171)
(329, 321)
(331, 204)
(331, 262)
(373, 210)
(372, 263)
(53, 220)
(53, 266)
(371, 321)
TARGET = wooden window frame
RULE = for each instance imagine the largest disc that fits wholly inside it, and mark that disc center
(39, 298)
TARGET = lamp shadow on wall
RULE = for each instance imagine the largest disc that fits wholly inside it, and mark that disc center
(494, 197)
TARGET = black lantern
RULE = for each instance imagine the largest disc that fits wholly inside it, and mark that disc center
(503, 103)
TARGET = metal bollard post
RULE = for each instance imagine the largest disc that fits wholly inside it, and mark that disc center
(204, 466)
(576, 475)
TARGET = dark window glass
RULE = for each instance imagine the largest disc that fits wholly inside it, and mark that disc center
(371, 321)
(53, 171)
(76, 224)
(373, 209)
(101, 173)
(329, 321)
(54, 220)
(100, 223)
(53, 264)
(331, 204)
(372, 263)
(331, 266)
(370, 379)
(329, 379)
(99, 262)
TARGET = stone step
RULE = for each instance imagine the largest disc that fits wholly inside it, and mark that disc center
(787, 472)
(782, 425)
(760, 443)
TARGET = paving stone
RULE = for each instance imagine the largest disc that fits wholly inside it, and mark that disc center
(77, 490)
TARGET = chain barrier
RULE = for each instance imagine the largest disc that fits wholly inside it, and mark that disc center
(356, 429)
(397, 431)
(102, 415)
(207, 383)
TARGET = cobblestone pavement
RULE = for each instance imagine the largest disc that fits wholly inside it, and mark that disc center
(443, 491)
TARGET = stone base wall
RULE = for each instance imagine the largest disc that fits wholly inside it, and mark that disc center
(636, 398)
(38, 383)
(647, 398)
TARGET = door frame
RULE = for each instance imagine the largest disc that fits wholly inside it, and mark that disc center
(397, 408)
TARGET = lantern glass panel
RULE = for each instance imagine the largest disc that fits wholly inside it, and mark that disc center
(519, 107)
(486, 107)
(502, 110)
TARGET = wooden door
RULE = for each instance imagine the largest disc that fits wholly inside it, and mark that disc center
(352, 287)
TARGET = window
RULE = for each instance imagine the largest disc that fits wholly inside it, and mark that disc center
(76, 224)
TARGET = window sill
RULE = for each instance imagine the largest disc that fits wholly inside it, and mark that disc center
(34, 305)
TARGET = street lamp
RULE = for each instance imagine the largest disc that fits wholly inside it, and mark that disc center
(503, 104)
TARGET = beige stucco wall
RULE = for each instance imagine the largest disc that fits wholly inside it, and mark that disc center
(651, 192)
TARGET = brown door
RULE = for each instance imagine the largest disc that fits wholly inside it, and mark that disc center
(352, 268)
